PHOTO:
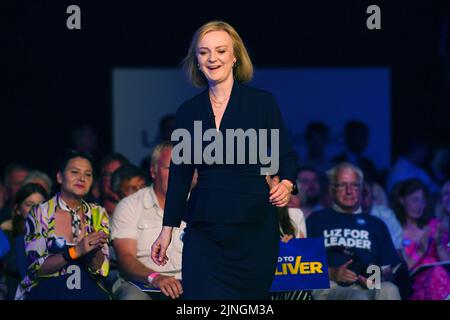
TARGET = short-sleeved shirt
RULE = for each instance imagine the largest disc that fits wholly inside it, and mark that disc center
(140, 217)
(364, 235)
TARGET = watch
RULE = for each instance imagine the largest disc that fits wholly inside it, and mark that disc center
(151, 277)
(294, 190)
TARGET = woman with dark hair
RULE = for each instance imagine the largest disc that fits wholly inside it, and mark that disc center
(422, 241)
(66, 239)
(28, 196)
(291, 226)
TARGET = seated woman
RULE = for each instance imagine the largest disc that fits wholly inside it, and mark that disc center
(4, 248)
(66, 240)
(292, 225)
(424, 240)
(28, 196)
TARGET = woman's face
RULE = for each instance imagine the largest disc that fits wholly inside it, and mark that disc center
(414, 204)
(77, 178)
(446, 198)
(215, 56)
(26, 205)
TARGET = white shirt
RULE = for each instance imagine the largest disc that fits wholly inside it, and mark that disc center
(388, 217)
(298, 220)
(140, 217)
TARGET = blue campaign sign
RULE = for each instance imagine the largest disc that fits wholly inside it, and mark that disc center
(302, 265)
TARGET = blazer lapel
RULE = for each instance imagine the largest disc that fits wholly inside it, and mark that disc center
(230, 116)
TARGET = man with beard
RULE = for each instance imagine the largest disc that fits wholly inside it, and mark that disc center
(308, 180)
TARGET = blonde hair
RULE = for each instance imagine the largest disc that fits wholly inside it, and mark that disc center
(156, 153)
(243, 70)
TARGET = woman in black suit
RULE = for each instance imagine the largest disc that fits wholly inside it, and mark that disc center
(231, 242)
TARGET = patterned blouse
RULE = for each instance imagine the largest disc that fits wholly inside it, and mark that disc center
(40, 233)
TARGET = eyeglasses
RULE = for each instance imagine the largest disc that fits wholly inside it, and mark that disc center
(341, 186)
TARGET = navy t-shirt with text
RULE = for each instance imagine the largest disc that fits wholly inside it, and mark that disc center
(367, 237)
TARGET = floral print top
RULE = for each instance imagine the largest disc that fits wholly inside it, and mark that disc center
(40, 234)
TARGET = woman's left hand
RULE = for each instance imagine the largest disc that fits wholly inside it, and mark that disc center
(280, 193)
(94, 240)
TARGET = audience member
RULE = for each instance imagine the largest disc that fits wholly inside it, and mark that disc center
(425, 241)
(442, 211)
(353, 241)
(3, 196)
(65, 235)
(440, 165)
(28, 196)
(165, 129)
(41, 178)
(317, 137)
(109, 164)
(14, 176)
(126, 180)
(4, 249)
(292, 225)
(410, 165)
(379, 196)
(401, 278)
(383, 213)
(310, 189)
(356, 138)
(85, 139)
(135, 225)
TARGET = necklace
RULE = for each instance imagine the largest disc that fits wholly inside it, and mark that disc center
(76, 220)
(216, 103)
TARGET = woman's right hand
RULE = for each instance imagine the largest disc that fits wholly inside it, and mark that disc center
(285, 238)
(94, 240)
(424, 242)
(159, 247)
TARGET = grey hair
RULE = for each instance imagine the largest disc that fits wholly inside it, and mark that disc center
(36, 174)
(156, 153)
(333, 172)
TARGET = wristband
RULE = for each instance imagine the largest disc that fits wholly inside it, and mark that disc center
(70, 254)
(73, 253)
(151, 277)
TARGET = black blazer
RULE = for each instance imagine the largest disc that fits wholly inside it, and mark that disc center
(227, 193)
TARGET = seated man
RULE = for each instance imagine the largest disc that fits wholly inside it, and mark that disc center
(310, 188)
(109, 164)
(126, 180)
(135, 225)
(353, 241)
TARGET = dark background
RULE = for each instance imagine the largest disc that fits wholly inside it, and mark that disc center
(54, 79)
